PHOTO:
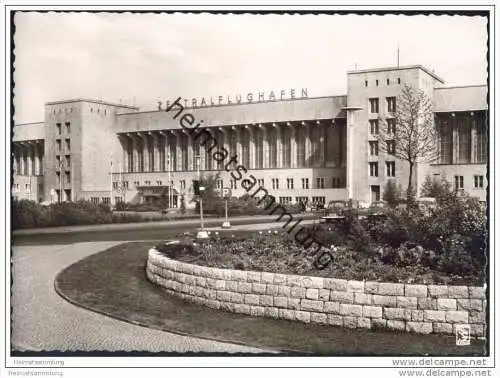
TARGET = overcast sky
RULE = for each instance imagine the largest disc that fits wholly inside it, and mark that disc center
(145, 57)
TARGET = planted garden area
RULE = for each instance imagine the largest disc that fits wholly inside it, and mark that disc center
(445, 245)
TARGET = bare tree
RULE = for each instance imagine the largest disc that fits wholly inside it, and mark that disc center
(410, 133)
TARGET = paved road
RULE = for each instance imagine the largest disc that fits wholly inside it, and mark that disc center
(41, 320)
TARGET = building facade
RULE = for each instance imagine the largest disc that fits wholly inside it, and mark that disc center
(299, 149)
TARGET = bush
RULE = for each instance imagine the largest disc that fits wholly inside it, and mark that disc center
(392, 193)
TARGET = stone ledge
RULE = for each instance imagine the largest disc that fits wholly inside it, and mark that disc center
(329, 301)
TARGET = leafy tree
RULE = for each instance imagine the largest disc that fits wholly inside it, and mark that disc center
(436, 188)
(415, 135)
(392, 193)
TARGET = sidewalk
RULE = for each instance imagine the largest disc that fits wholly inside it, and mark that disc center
(256, 227)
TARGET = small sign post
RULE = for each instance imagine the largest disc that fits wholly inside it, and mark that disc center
(226, 193)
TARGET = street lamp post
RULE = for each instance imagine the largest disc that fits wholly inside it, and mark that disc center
(202, 234)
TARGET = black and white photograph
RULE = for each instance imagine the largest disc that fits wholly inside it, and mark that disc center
(249, 187)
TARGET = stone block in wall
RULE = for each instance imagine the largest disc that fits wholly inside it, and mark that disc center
(443, 328)
(271, 312)
(227, 306)
(335, 320)
(379, 323)
(427, 304)
(267, 278)
(419, 327)
(215, 273)
(184, 288)
(396, 325)
(384, 300)
(350, 322)
(362, 298)
(372, 311)
(211, 283)
(434, 316)
(220, 285)
(294, 303)
(332, 307)
(395, 313)
(356, 286)
(335, 284)
(446, 304)
(477, 292)
(212, 303)
(371, 287)
(320, 318)
(440, 291)
(223, 296)
(251, 299)
(244, 287)
(407, 302)
(281, 302)
(254, 277)
(364, 323)
(350, 310)
(226, 274)
(280, 279)
(256, 311)
(342, 296)
(258, 288)
(419, 291)
(242, 308)
(191, 280)
(386, 288)
(294, 281)
(201, 281)
(313, 282)
(417, 315)
(180, 277)
(266, 300)
(477, 317)
(238, 275)
(232, 286)
(311, 305)
(324, 294)
(236, 297)
(303, 316)
(312, 294)
(470, 304)
(477, 330)
(284, 291)
(458, 292)
(457, 316)
(272, 289)
(284, 313)
(297, 292)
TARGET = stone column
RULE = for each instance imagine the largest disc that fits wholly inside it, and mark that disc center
(265, 146)
(239, 146)
(145, 151)
(322, 144)
(203, 152)
(307, 145)
(252, 151)
(473, 138)
(293, 146)
(179, 153)
(279, 146)
(156, 152)
(455, 141)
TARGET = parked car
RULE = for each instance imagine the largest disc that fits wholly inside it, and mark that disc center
(335, 211)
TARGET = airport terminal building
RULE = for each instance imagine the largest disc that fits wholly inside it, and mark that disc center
(297, 148)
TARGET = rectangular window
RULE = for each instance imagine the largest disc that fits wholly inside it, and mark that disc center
(58, 161)
(445, 140)
(301, 199)
(335, 182)
(289, 183)
(305, 183)
(375, 193)
(318, 200)
(478, 181)
(373, 148)
(68, 145)
(276, 183)
(391, 104)
(125, 184)
(147, 183)
(374, 126)
(118, 199)
(373, 105)
(68, 127)
(68, 177)
(94, 200)
(233, 184)
(68, 161)
(285, 200)
(464, 139)
(481, 145)
(260, 182)
(58, 126)
(391, 126)
(373, 169)
(158, 183)
(58, 145)
(220, 184)
(390, 168)
(391, 147)
(136, 183)
(459, 182)
(320, 183)
(106, 200)
(183, 184)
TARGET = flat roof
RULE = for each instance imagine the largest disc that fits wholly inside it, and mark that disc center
(399, 68)
(92, 101)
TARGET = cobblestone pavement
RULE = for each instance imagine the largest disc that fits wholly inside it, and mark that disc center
(43, 321)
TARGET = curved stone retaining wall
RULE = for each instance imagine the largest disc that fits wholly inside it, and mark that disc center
(353, 304)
